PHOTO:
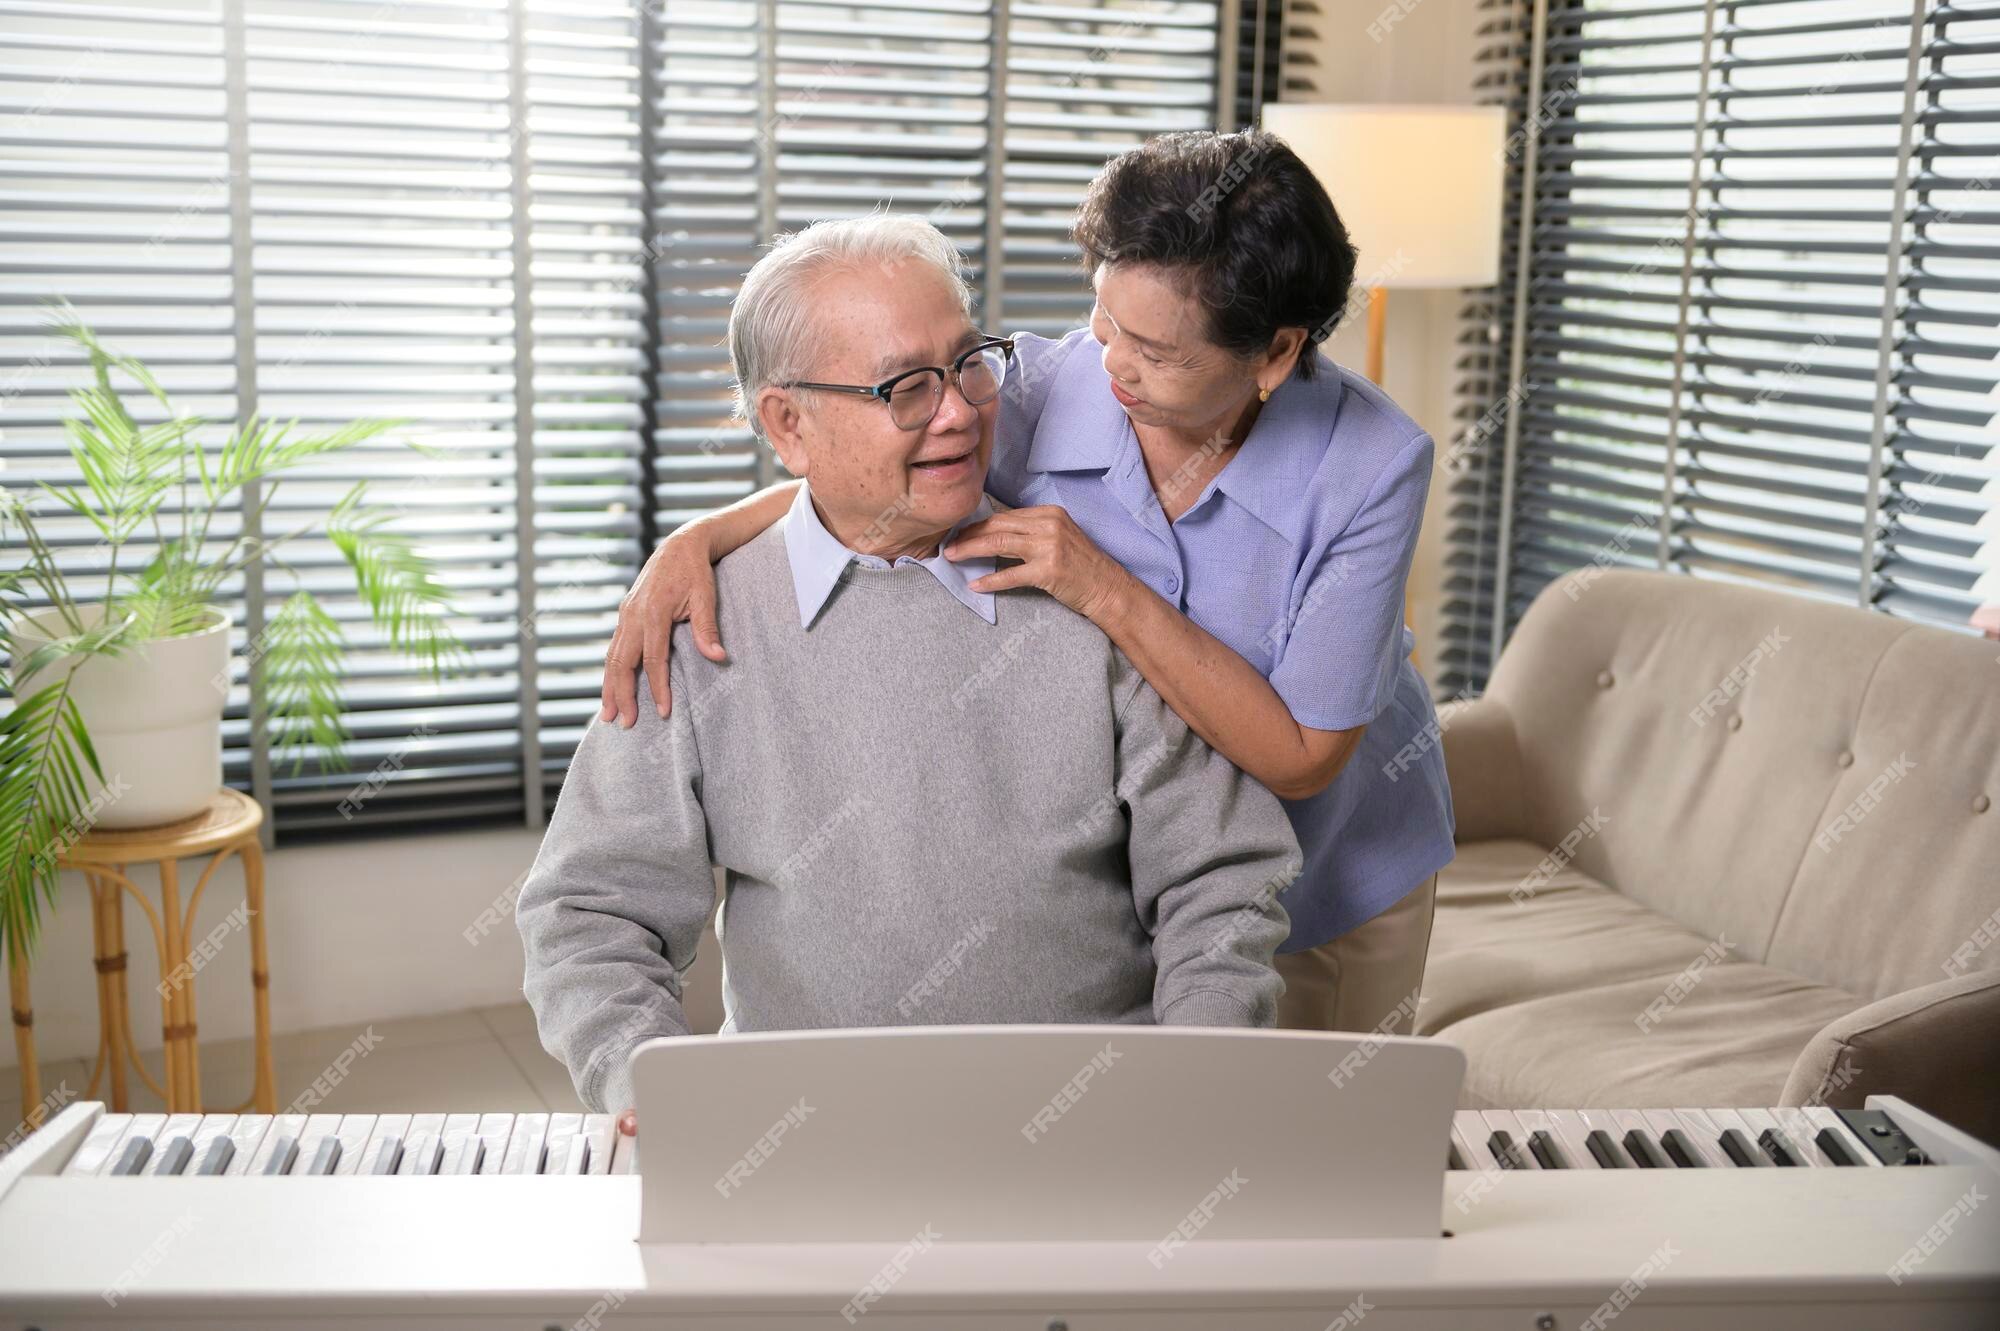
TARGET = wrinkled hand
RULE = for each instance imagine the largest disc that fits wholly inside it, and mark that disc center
(677, 583)
(1055, 556)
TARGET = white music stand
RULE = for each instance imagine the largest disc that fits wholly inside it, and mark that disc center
(1062, 1133)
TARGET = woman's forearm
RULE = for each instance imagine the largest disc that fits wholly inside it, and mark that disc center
(1220, 695)
(741, 522)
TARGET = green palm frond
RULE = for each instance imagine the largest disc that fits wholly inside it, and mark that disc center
(398, 584)
(264, 448)
(46, 767)
(300, 673)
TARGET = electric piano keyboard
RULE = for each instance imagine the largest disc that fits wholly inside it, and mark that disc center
(429, 1144)
(1777, 1220)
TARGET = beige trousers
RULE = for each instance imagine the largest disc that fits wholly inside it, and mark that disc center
(1368, 979)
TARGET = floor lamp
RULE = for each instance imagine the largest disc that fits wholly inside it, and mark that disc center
(1418, 188)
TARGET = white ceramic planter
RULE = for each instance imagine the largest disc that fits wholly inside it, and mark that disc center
(155, 719)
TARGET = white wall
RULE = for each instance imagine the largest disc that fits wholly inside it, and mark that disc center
(360, 929)
(1422, 55)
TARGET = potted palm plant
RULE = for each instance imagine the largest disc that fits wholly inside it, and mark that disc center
(118, 694)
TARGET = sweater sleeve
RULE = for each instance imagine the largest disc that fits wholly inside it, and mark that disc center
(1210, 849)
(615, 904)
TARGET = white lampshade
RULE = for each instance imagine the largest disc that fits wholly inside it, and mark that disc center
(1418, 187)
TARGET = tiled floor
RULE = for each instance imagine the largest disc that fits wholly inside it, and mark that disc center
(485, 1059)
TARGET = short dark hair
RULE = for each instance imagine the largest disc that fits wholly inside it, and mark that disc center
(1244, 221)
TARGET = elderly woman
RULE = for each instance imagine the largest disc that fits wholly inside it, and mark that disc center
(1235, 511)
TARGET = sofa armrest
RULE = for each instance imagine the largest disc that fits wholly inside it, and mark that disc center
(1935, 1046)
(1483, 764)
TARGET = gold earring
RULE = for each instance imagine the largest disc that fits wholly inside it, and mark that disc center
(1263, 395)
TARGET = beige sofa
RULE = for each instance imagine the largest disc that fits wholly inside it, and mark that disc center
(1722, 846)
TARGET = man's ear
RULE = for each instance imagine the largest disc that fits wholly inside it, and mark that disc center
(784, 427)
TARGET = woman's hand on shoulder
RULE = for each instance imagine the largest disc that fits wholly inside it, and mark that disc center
(1055, 556)
(677, 583)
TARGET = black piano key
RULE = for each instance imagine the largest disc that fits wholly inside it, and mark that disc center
(1738, 1148)
(389, 1156)
(174, 1156)
(134, 1157)
(1452, 1159)
(1505, 1153)
(217, 1157)
(1834, 1149)
(1779, 1148)
(282, 1156)
(1680, 1150)
(1644, 1154)
(326, 1157)
(1605, 1150)
(1548, 1154)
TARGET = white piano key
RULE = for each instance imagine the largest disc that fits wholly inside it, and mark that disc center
(459, 1129)
(494, 1131)
(420, 1144)
(95, 1152)
(283, 1128)
(1759, 1120)
(600, 1129)
(423, 1155)
(1801, 1130)
(177, 1125)
(1473, 1154)
(388, 1128)
(524, 1144)
(141, 1127)
(576, 1156)
(248, 1132)
(355, 1132)
(1820, 1116)
(318, 1128)
(461, 1155)
(563, 1129)
(624, 1152)
(211, 1127)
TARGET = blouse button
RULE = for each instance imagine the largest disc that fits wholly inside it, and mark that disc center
(1735, 721)
(1173, 583)
(1846, 759)
(1980, 804)
(1604, 679)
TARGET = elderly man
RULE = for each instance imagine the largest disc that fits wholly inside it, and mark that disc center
(932, 804)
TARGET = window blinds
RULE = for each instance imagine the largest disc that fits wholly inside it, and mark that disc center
(519, 225)
(1760, 326)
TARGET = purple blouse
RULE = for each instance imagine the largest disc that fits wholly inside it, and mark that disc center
(1295, 555)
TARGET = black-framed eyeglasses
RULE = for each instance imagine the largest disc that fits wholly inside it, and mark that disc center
(913, 396)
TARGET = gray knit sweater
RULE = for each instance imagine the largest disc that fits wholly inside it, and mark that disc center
(923, 818)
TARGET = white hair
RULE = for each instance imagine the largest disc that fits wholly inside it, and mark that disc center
(771, 332)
